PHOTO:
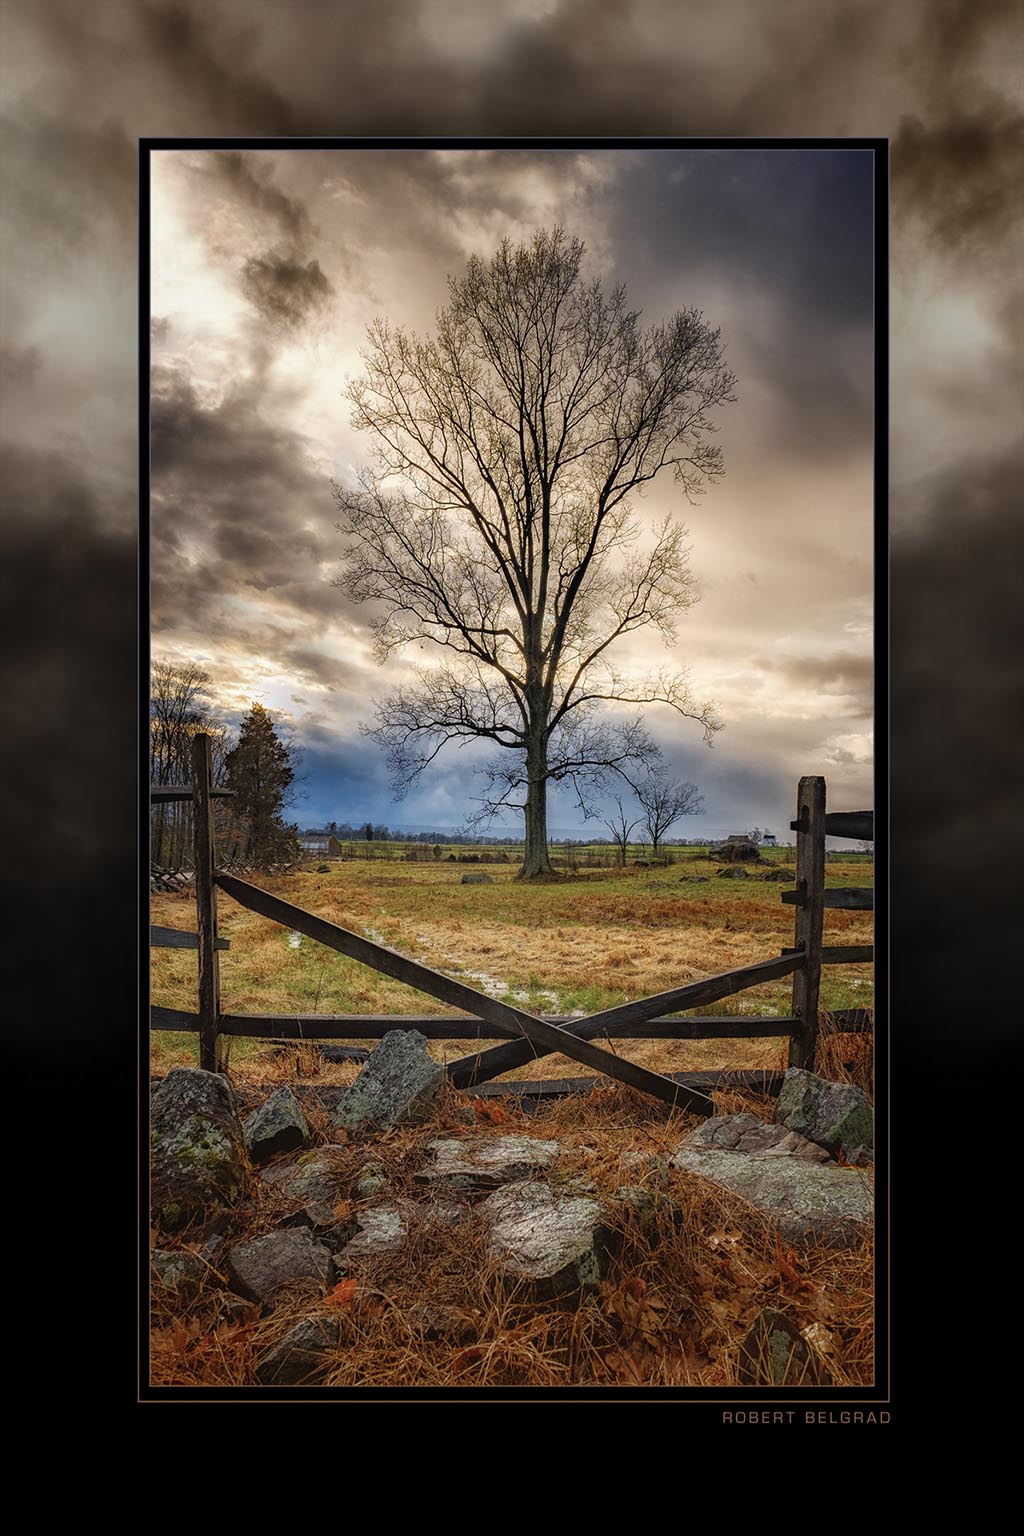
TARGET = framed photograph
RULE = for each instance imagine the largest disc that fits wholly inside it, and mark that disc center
(515, 519)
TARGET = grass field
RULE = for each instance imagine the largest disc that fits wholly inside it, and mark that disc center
(579, 943)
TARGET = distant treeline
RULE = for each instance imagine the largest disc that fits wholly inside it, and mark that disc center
(377, 832)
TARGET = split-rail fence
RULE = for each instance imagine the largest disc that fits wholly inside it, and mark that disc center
(526, 1036)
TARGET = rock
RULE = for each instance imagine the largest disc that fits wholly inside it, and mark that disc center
(806, 1201)
(198, 1156)
(695, 880)
(323, 869)
(734, 872)
(835, 1115)
(261, 1266)
(382, 1230)
(317, 1215)
(179, 1271)
(486, 1164)
(476, 880)
(277, 1126)
(323, 1174)
(398, 1084)
(553, 1243)
(302, 1355)
(371, 1181)
(774, 1354)
(746, 1133)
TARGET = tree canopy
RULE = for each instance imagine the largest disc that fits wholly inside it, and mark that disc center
(260, 771)
(494, 525)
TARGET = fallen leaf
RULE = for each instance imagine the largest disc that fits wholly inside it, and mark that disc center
(343, 1294)
(342, 1209)
(467, 1357)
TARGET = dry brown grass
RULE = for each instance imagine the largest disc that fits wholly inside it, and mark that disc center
(679, 1297)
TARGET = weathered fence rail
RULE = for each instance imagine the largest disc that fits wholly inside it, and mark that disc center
(526, 1037)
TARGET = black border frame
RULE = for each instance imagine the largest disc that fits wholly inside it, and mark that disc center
(837, 1404)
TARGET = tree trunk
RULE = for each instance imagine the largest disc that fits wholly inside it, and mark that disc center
(536, 860)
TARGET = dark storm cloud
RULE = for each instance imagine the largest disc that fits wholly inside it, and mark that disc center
(195, 53)
(283, 291)
(844, 672)
(239, 509)
(794, 228)
(69, 686)
(249, 184)
(957, 705)
(960, 176)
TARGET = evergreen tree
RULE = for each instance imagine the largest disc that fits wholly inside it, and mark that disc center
(260, 771)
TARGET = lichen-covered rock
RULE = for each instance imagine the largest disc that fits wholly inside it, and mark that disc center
(398, 1085)
(487, 1163)
(261, 1266)
(837, 1116)
(303, 1355)
(380, 1231)
(179, 1271)
(774, 1354)
(476, 880)
(277, 1126)
(372, 1181)
(554, 1243)
(746, 1133)
(198, 1157)
(322, 1174)
(806, 1201)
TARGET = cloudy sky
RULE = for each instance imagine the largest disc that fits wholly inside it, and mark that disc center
(939, 78)
(267, 267)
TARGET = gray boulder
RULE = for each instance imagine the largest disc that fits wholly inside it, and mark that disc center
(486, 1164)
(837, 1116)
(260, 1267)
(303, 1354)
(380, 1231)
(321, 1175)
(774, 1354)
(178, 1271)
(807, 1201)
(277, 1126)
(476, 880)
(555, 1244)
(197, 1147)
(372, 1181)
(399, 1084)
(746, 1133)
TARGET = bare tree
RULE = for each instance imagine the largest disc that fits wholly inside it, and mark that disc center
(179, 706)
(494, 521)
(620, 828)
(664, 800)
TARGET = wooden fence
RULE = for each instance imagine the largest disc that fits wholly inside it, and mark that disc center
(525, 1036)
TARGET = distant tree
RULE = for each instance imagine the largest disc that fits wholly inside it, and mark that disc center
(867, 846)
(332, 828)
(664, 800)
(368, 832)
(179, 707)
(620, 828)
(260, 771)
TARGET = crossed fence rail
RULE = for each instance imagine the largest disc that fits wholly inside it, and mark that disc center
(525, 1036)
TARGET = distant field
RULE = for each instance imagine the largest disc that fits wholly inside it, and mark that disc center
(587, 941)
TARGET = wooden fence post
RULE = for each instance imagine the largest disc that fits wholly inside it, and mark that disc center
(211, 1043)
(810, 877)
